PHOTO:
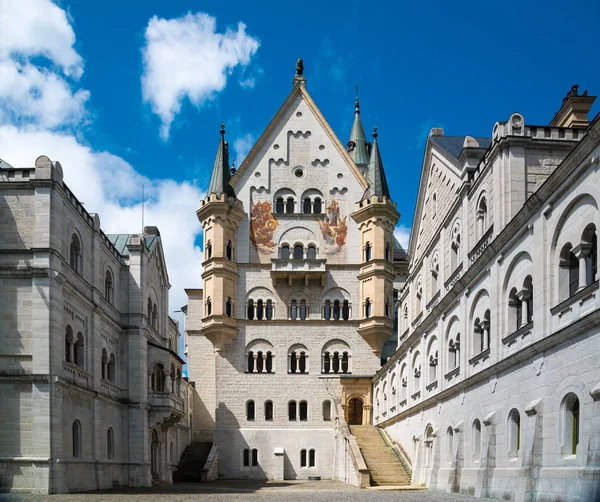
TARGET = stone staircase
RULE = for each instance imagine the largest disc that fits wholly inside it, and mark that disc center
(192, 462)
(386, 466)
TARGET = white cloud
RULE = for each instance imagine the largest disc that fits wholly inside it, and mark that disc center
(186, 57)
(402, 234)
(242, 146)
(38, 92)
(38, 70)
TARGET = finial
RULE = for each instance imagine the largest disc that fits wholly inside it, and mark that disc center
(375, 133)
(356, 103)
(222, 131)
(233, 164)
(299, 67)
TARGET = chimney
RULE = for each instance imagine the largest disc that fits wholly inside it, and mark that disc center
(574, 110)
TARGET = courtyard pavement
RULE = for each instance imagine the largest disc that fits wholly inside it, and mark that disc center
(309, 491)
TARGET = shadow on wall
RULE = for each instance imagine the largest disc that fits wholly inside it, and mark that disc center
(16, 336)
(240, 455)
(202, 424)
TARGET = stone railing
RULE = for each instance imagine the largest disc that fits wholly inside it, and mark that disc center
(210, 471)
(482, 245)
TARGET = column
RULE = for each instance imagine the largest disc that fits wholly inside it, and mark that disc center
(72, 352)
(264, 362)
(331, 362)
(582, 252)
(297, 362)
(523, 297)
(255, 367)
(485, 327)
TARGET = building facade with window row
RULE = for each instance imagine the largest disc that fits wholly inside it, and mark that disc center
(495, 386)
(92, 386)
(297, 300)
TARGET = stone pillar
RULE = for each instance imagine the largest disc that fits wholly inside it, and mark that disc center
(582, 252)
(523, 297)
(255, 367)
(485, 327)
(297, 363)
(264, 362)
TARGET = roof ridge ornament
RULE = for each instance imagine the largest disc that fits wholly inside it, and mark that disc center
(356, 103)
(299, 78)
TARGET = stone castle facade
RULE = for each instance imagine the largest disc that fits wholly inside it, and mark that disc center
(495, 387)
(299, 269)
(91, 383)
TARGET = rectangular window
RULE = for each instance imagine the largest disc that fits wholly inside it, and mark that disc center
(303, 458)
(254, 457)
(246, 457)
(311, 458)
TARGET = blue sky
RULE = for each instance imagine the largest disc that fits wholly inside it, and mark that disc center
(130, 93)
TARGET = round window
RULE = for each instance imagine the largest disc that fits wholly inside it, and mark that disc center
(298, 173)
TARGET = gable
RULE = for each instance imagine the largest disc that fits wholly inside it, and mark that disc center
(440, 181)
(298, 157)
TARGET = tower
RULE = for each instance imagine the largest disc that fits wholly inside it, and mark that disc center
(358, 149)
(376, 216)
(220, 214)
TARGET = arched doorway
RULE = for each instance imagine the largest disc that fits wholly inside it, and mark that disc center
(355, 411)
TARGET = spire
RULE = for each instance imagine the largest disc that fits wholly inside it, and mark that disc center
(376, 175)
(219, 181)
(357, 145)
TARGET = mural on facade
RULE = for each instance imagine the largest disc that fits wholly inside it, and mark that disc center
(262, 227)
(334, 229)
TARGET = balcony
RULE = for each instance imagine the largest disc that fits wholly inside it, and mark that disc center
(305, 269)
(166, 408)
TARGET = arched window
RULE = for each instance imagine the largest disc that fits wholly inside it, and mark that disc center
(327, 310)
(69, 340)
(417, 376)
(482, 218)
(172, 378)
(250, 362)
(150, 310)
(367, 308)
(269, 411)
(110, 444)
(76, 439)
(433, 364)
(515, 310)
(303, 411)
(208, 250)
(260, 310)
(327, 410)
(171, 453)
(78, 352)
(298, 252)
(303, 458)
(528, 299)
(481, 333)
(454, 352)
(298, 362)
(111, 373)
(590, 247)
(514, 433)
(104, 364)
(335, 363)
(250, 410)
(254, 457)
(570, 424)
(345, 310)
(250, 310)
(317, 206)
(419, 305)
(228, 307)
(178, 382)
(455, 253)
(433, 206)
(311, 458)
(568, 272)
(450, 444)
(289, 207)
(285, 252)
(345, 362)
(388, 308)
(158, 378)
(76, 254)
(435, 271)
(292, 410)
(367, 251)
(208, 306)
(293, 310)
(336, 310)
(229, 250)
(388, 251)
(429, 437)
(476, 441)
(246, 459)
(108, 287)
(279, 205)
(303, 310)
(311, 253)
(155, 316)
(269, 310)
(306, 206)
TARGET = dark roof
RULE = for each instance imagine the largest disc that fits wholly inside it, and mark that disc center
(454, 144)
(376, 174)
(399, 252)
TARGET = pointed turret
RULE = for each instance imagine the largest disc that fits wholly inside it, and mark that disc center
(376, 175)
(357, 145)
(219, 181)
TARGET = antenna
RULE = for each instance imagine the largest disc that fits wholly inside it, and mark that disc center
(142, 209)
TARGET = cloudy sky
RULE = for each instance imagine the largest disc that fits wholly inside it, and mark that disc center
(129, 94)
